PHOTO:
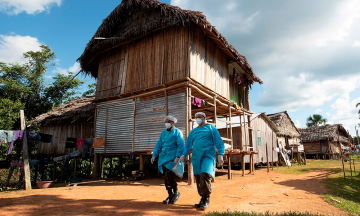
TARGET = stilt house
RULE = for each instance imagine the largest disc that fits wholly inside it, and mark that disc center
(150, 60)
(324, 140)
(264, 139)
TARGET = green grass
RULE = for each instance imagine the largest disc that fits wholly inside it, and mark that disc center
(342, 193)
(236, 213)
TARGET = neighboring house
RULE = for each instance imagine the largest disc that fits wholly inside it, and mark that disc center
(322, 140)
(155, 59)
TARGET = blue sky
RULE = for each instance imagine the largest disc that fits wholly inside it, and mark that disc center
(307, 55)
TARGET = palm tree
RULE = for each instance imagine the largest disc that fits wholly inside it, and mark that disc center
(315, 120)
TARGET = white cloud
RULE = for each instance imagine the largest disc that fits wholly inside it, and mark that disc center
(13, 47)
(318, 111)
(74, 69)
(297, 124)
(328, 114)
(346, 112)
(357, 43)
(14, 7)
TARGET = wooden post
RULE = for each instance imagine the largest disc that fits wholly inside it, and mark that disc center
(121, 165)
(229, 167)
(350, 166)
(267, 158)
(272, 150)
(250, 132)
(141, 163)
(101, 166)
(111, 165)
(25, 152)
(231, 133)
(187, 131)
(305, 157)
(215, 122)
(96, 166)
(342, 158)
(242, 148)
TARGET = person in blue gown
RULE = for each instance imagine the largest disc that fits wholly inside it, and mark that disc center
(170, 147)
(203, 140)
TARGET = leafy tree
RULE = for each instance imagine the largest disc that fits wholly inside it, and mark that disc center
(9, 113)
(315, 120)
(23, 86)
(91, 91)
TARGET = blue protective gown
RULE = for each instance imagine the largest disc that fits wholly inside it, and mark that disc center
(203, 141)
(172, 145)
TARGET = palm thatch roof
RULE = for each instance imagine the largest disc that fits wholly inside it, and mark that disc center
(285, 125)
(327, 132)
(76, 110)
(134, 18)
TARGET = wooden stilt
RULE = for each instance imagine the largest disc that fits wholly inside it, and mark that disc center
(229, 167)
(101, 166)
(187, 131)
(25, 152)
(141, 162)
(272, 151)
(111, 166)
(253, 164)
(96, 166)
(267, 158)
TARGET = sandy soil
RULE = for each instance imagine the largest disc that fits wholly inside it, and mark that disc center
(260, 192)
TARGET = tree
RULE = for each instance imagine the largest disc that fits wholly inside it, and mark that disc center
(23, 86)
(91, 91)
(315, 120)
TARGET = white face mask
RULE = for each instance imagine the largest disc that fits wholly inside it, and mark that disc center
(199, 121)
(167, 125)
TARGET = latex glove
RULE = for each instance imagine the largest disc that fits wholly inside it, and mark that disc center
(220, 160)
(153, 159)
(176, 161)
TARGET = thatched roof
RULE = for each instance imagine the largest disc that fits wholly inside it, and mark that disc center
(75, 110)
(327, 132)
(285, 125)
(134, 18)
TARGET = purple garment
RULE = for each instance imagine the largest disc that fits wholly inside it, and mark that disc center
(131, 155)
(18, 135)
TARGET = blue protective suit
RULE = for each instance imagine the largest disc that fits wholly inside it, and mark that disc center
(172, 145)
(203, 141)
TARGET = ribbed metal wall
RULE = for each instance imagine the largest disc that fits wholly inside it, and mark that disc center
(177, 108)
(119, 126)
(149, 121)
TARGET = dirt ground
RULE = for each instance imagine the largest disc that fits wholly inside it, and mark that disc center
(261, 192)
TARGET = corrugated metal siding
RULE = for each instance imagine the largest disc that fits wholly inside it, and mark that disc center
(177, 108)
(149, 121)
(119, 126)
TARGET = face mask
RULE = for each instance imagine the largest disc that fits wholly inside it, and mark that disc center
(199, 121)
(167, 125)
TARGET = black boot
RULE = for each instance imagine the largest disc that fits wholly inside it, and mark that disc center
(200, 203)
(168, 199)
(205, 203)
(175, 197)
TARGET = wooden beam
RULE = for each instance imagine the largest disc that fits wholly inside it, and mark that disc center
(231, 132)
(229, 167)
(141, 162)
(187, 131)
(25, 152)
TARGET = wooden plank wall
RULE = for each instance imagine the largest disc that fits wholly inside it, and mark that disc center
(312, 147)
(208, 64)
(60, 133)
(149, 62)
(267, 136)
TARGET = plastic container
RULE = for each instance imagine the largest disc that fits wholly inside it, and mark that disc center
(45, 184)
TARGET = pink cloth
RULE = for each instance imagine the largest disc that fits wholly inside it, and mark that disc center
(197, 102)
(80, 140)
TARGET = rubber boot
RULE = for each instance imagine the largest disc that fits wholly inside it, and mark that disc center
(175, 197)
(200, 203)
(168, 199)
(205, 203)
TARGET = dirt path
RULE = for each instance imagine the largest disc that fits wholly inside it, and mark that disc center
(260, 192)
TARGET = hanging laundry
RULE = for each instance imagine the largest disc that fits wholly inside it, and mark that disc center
(17, 135)
(3, 137)
(46, 138)
(10, 136)
(99, 142)
(196, 102)
(88, 142)
(32, 136)
(80, 141)
(71, 142)
(13, 165)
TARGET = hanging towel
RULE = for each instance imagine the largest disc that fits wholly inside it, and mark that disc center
(10, 136)
(71, 142)
(80, 141)
(99, 142)
(45, 138)
(17, 135)
(196, 102)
